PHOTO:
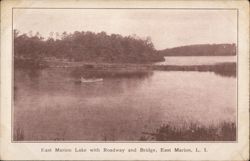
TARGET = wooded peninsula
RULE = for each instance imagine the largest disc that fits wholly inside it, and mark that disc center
(86, 47)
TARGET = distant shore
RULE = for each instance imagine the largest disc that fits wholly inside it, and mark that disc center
(225, 69)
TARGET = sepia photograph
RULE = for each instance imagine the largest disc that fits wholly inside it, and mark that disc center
(124, 75)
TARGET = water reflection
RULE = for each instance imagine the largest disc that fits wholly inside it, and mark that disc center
(92, 73)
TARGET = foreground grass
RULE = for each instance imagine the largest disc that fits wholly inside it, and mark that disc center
(18, 134)
(225, 131)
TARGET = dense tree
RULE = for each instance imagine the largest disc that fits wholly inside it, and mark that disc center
(87, 47)
(31, 47)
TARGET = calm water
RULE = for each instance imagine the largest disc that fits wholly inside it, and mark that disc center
(50, 104)
(197, 60)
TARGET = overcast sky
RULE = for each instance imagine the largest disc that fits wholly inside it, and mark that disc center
(167, 28)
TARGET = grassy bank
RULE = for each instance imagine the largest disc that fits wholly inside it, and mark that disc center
(225, 131)
(223, 69)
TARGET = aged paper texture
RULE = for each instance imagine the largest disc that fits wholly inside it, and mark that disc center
(124, 80)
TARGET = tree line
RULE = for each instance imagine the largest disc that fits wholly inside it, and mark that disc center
(87, 47)
(201, 50)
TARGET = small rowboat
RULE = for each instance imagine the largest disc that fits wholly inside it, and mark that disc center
(83, 80)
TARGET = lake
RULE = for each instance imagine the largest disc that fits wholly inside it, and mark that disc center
(197, 60)
(50, 104)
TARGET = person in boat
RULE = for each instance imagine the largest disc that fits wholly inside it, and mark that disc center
(91, 80)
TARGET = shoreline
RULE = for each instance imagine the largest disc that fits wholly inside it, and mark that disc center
(224, 69)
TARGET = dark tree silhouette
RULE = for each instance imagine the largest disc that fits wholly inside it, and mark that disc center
(201, 50)
(86, 47)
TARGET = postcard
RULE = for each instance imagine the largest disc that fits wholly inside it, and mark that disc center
(124, 80)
